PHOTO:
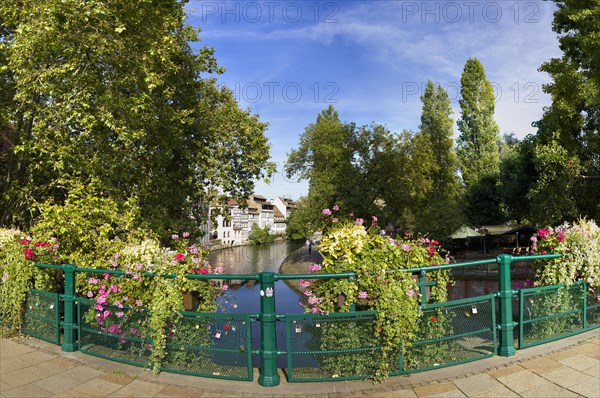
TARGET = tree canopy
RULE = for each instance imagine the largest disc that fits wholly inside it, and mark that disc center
(568, 130)
(114, 96)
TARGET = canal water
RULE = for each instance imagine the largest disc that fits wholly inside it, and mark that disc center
(244, 296)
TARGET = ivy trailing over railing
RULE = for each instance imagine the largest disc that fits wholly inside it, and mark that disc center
(348, 246)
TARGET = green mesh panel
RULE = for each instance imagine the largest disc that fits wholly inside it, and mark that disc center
(42, 316)
(213, 345)
(337, 346)
(116, 337)
(453, 333)
(593, 309)
(549, 314)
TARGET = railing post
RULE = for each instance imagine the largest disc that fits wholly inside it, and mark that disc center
(268, 376)
(507, 326)
(69, 344)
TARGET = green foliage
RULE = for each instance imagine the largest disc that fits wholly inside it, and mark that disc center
(552, 196)
(161, 295)
(112, 94)
(579, 243)
(300, 223)
(259, 236)
(349, 247)
(572, 121)
(18, 252)
(368, 169)
(88, 225)
(441, 212)
(477, 150)
(517, 174)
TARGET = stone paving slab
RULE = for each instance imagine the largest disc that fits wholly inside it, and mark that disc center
(566, 368)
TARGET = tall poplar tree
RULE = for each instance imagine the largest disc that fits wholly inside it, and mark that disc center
(440, 212)
(477, 146)
(479, 134)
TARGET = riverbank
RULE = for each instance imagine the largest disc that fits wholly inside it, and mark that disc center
(297, 263)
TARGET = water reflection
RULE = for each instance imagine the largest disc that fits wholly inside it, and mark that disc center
(244, 296)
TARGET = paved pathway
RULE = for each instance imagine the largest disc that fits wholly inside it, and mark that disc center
(566, 368)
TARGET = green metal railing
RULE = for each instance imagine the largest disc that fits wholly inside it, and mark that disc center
(321, 347)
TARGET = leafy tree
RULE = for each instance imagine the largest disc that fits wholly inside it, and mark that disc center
(365, 170)
(441, 210)
(477, 149)
(301, 224)
(551, 196)
(112, 94)
(477, 144)
(324, 158)
(259, 236)
(573, 120)
(517, 174)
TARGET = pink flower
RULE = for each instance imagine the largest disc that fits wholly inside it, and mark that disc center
(120, 314)
(326, 212)
(180, 257)
(410, 292)
(314, 267)
(29, 254)
(543, 233)
(373, 219)
(308, 293)
(405, 247)
(90, 294)
(336, 207)
(224, 288)
(5, 277)
(334, 220)
(360, 221)
(186, 234)
(362, 295)
(314, 300)
(174, 236)
(304, 284)
(218, 270)
(561, 237)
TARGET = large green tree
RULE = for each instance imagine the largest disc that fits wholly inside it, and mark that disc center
(324, 159)
(441, 211)
(569, 127)
(477, 145)
(366, 170)
(477, 142)
(111, 93)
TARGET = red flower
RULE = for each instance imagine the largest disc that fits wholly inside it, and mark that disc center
(24, 241)
(180, 257)
(543, 233)
(226, 326)
(433, 319)
(431, 251)
(29, 254)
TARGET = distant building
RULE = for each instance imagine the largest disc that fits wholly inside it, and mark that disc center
(285, 205)
(232, 227)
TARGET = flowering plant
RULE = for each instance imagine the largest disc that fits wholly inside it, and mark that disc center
(580, 245)
(18, 253)
(349, 246)
(121, 300)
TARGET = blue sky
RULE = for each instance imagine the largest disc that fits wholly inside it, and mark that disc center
(288, 60)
